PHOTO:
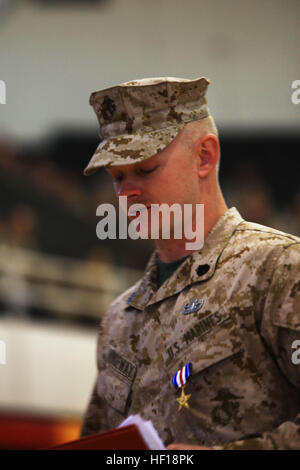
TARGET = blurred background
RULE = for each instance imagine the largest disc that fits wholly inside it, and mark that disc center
(56, 277)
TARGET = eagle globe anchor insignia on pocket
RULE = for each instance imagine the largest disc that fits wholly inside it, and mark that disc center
(179, 380)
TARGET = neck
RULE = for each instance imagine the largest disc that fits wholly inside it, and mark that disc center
(174, 249)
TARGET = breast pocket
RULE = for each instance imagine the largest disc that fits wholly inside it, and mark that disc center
(214, 387)
(115, 381)
(205, 356)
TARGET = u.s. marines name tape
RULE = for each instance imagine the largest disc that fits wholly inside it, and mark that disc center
(197, 330)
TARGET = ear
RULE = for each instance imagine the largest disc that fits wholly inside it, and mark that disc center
(207, 152)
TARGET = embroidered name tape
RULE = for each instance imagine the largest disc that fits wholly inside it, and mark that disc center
(122, 365)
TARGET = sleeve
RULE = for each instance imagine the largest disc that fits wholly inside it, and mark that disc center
(280, 328)
(94, 418)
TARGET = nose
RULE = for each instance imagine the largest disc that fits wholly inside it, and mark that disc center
(128, 189)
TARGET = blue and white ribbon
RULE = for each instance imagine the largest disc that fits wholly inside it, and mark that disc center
(181, 376)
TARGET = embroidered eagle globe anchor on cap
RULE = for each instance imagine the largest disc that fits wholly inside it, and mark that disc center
(140, 118)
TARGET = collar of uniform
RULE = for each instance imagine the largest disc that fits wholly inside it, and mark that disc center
(147, 285)
(214, 244)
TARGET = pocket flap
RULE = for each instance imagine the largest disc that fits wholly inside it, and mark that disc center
(115, 380)
(113, 390)
(204, 354)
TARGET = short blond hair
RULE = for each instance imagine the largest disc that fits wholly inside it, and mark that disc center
(196, 129)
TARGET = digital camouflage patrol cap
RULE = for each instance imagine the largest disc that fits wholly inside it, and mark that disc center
(140, 118)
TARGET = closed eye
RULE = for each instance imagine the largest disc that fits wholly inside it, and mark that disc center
(146, 171)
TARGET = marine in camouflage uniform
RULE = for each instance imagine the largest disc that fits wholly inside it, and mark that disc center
(231, 309)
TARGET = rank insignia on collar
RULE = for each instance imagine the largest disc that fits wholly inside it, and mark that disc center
(179, 380)
(193, 306)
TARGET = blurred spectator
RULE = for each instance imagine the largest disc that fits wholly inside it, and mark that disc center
(255, 204)
(251, 194)
(8, 156)
(47, 204)
(293, 213)
(289, 220)
(22, 227)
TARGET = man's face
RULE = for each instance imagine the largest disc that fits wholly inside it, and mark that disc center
(168, 177)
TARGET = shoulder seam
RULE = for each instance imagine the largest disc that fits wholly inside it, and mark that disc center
(293, 238)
